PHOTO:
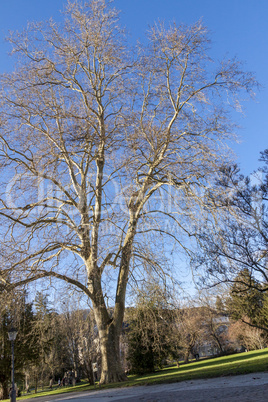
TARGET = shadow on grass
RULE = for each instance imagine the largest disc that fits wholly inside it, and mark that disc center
(222, 360)
(213, 364)
(215, 367)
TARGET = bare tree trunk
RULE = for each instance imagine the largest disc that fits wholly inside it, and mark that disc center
(109, 336)
(35, 383)
(186, 356)
(89, 371)
(110, 328)
(5, 393)
(218, 342)
(27, 382)
(112, 370)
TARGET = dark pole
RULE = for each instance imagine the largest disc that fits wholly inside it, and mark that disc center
(13, 390)
(12, 336)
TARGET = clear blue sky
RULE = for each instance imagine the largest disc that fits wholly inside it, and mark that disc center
(238, 28)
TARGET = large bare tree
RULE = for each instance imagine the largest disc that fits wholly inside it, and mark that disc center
(106, 152)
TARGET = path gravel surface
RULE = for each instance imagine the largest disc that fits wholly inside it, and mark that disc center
(242, 388)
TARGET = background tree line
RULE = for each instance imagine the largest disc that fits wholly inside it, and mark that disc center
(48, 346)
(156, 332)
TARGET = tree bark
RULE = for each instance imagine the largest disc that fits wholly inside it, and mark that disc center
(35, 383)
(112, 370)
(186, 356)
(109, 336)
(89, 371)
(110, 328)
(5, 393)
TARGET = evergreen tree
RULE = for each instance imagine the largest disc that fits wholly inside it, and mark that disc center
(246, 302)
(49, 343)
(16, 312)
(150, 331)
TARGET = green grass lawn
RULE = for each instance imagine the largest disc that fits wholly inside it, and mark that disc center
(241, 363)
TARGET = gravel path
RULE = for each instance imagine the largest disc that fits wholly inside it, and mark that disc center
(242, 388)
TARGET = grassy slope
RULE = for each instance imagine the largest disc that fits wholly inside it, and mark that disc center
(228, 365)
(241, 363)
